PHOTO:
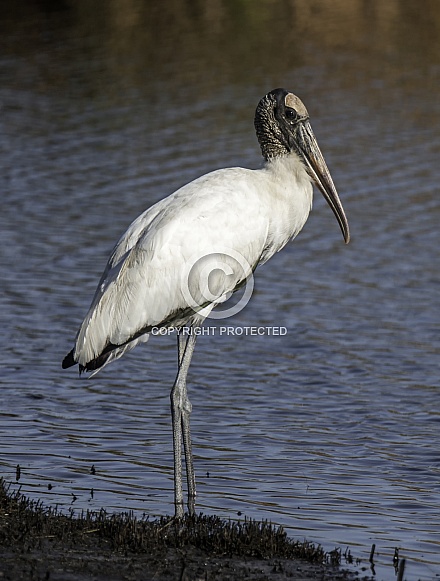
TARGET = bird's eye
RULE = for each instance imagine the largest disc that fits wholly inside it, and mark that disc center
(291, 114)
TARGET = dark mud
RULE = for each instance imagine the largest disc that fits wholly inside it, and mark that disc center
(40, 543)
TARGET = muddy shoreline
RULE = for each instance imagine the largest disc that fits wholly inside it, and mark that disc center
(40, 543)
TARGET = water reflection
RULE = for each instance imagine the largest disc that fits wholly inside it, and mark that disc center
(331, 430)
(83, 46)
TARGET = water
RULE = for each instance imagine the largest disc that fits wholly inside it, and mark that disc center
(332, 429)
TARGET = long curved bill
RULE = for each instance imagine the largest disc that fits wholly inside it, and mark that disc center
(309, 150)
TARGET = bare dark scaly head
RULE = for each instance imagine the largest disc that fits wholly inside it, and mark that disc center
(283, 127)
(276, 118)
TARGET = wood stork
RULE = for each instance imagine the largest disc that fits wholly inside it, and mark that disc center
(205, 225)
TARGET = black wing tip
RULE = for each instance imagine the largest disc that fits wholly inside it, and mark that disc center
(96, 363)
(68, 360)
(92, 365)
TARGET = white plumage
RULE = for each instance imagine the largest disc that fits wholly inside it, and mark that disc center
(229, 212)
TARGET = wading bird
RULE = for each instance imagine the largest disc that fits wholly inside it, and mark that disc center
(218, 228)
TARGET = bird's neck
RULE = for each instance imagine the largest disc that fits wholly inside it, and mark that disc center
(287, 193)
(290, 170)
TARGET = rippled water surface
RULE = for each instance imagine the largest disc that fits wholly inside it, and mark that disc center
(331, 429)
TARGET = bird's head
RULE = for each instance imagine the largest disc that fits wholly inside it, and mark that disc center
(282, 125)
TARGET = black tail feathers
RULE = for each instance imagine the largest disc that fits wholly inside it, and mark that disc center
(68, 360)
(93, 365)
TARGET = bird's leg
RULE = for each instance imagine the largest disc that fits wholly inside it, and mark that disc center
(186, 428)
(180, 411)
